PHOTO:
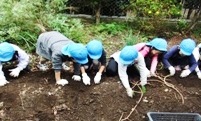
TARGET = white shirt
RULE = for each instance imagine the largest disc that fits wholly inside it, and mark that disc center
(197, 56)
(140, 65)
(23, 60)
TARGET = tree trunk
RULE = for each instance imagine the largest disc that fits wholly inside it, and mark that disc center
(98, 9)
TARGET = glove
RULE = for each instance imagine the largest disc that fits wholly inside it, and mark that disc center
(15, 72)
(86, 79)
(172, 70)
(97, 78)
(144, 89)
(150, 74)
(65, 67)
(130, 92)
(3, 81)
(185, 73)
(62, 82)
(42, 67)
(76, 78)
(153, 74)
(142, 83)
(199, 74)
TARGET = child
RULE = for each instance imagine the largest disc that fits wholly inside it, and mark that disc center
(151, 51)
(97, 60)
(127, 58)
(196, 53)
(11, 52)
(179, 56)
(56, 47)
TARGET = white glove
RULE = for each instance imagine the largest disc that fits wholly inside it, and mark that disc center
(172, 70)
(62, 82)
(42, 67)
(185, 73)
(97, 78)
(65, 67)
(76, 78)
(3, 81)
(199, 74)
(130, 92)
(142, 83)
(86, 79)
(15, 72)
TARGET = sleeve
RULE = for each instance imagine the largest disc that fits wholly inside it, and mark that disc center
(193, 63)
(141, 66)
(23, 57)
(168, 55)
(143, 51)
(154, 63)
(56, 61)
(76, 68)
(2, 77)
(196, 55)
(123, 75)
(103, 58)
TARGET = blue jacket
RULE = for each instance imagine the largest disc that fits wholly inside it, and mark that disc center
(173, 54)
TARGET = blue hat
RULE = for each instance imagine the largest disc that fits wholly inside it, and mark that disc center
(77, 51)
(187, 46)
(128, 54)
(6, 51)
(158, 43)
(95, 49)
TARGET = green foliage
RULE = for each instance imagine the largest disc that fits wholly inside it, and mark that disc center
(181, 25)
(19, 18)
(110, 28)
(156, 8)
(131, 39)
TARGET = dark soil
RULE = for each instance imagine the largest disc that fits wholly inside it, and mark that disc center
(34, 97)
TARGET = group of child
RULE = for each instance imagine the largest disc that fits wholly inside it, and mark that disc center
(142, 57)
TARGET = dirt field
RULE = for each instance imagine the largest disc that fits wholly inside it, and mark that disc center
(34, 97)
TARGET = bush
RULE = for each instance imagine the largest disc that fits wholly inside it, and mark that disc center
(19, 18)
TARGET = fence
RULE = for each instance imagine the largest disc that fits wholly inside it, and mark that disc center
(119, 7)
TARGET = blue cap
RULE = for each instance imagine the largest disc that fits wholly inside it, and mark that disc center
(95, 49)
(76, 51)
(187, 46)
(6, 52)
(128, 54)
(158, 43)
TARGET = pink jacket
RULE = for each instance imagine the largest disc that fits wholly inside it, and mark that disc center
(144, 52)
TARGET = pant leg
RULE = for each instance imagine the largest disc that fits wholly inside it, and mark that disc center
(132, 71)
(112, 68)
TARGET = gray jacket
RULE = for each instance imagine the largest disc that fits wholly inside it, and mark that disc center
(49, 45)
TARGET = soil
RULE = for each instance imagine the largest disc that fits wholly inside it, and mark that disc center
(33, 96)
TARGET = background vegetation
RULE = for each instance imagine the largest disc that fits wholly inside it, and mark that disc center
(20, 20)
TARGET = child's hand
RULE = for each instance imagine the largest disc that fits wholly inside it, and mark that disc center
(62, 82)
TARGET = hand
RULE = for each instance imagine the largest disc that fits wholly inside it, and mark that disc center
(172, 70)
(199, 74)
(62, 82)
(76, 78)
(97, 78)
(3, 82)
(42, 67)
(130, 92)
(65, 67)
(142, 83)
(185, 73)
(150, 74)
(86, 79)
(144, 89)
(15, 72)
